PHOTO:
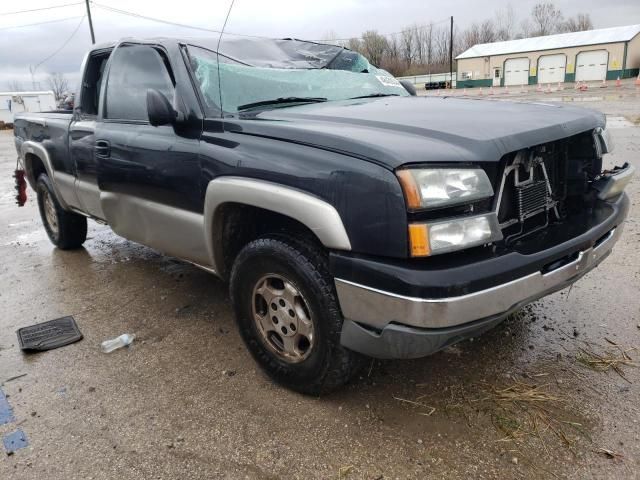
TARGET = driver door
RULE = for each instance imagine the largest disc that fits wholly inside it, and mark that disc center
(149, 177)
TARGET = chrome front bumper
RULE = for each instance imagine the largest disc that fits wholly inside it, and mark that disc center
(377, 309)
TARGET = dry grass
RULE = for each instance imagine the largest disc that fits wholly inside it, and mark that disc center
(607, 360)
(343, 472)
(609, 453)
(428, 410)
(522, 410)
(522, 393)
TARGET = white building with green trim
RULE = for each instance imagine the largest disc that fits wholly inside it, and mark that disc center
(590, 56)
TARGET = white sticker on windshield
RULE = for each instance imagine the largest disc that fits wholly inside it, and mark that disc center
(388, 81)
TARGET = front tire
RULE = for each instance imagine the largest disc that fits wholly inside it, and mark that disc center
(289, 316)
(66, 230)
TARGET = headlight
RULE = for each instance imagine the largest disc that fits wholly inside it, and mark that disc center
(446, 236)
(442, 187)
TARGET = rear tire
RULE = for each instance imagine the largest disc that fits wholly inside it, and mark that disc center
(66, 230)
(288, 314)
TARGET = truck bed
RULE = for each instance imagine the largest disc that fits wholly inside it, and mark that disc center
(51, 129)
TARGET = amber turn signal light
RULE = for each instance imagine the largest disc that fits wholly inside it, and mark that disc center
(419, 240)
(410, 189)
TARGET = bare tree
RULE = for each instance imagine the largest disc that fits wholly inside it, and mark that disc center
(525, 29)
(546, 18)
(505, 23)
(15, 86)
(488, 32)
(393, 50)
(419, 43)
(579, 23)
(331, 37)
(458, 46)
(470, 36)
(355, 44)
(374, 46)
(441, 48)
(424, 44)
(407, 43)
(58, 83)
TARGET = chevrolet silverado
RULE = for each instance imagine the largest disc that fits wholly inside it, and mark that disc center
(351, 218)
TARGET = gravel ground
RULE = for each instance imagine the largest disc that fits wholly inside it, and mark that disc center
(187, 401)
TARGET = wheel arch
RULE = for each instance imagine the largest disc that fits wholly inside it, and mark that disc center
(37, 161)
(231, 202)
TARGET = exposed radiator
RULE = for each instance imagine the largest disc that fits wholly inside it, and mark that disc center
(533, 198)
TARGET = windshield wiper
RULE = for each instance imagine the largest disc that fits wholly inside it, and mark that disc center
(374, 95)
(281, 100)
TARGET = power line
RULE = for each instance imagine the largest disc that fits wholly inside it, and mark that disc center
(167, 22)
(193, 27)
(40, 23)
(66, 42)
(41, 9)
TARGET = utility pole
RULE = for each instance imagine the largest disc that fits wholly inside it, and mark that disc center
(450, 55)
(33, 80)
(93, 38)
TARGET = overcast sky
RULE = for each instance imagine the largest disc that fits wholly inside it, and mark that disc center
(28, 46)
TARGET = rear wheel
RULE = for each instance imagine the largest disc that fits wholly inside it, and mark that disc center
(66, 230)
(289, 316)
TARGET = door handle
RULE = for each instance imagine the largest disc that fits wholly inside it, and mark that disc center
(102, 149)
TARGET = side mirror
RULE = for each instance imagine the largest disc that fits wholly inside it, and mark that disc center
(409, 87)
(159, 109)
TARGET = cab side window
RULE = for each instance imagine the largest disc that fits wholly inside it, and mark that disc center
(134, 70)
(93, 82)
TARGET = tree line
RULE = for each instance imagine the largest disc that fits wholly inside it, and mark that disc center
(420, 49)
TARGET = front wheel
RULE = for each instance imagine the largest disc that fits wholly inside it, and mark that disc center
(289, 316)
(66, 230)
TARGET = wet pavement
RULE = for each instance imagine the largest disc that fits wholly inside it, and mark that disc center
(187, 401)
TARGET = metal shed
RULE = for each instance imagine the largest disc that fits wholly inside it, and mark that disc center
(593, 55)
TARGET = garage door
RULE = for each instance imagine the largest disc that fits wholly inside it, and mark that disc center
(551, 68)
(516, 71)
(591, 65)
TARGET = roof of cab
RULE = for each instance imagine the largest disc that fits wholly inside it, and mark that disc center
(255, 51)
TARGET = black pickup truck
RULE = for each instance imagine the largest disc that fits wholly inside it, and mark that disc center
(350, 218)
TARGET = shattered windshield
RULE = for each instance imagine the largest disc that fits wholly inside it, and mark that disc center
(294, 78)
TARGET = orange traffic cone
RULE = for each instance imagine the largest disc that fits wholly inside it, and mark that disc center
(491, 90)
(618, 82)
(539, 87)
(604, 84)
(480, 92)
(637, 82)
(548, 90)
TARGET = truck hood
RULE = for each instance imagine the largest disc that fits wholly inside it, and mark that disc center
(393, 131)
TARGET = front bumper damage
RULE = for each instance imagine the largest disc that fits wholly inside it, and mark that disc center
(387, 323)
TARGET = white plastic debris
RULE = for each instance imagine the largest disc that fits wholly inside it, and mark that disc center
(123, 340)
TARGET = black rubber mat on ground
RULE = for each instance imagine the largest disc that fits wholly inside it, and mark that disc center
(49, 335)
